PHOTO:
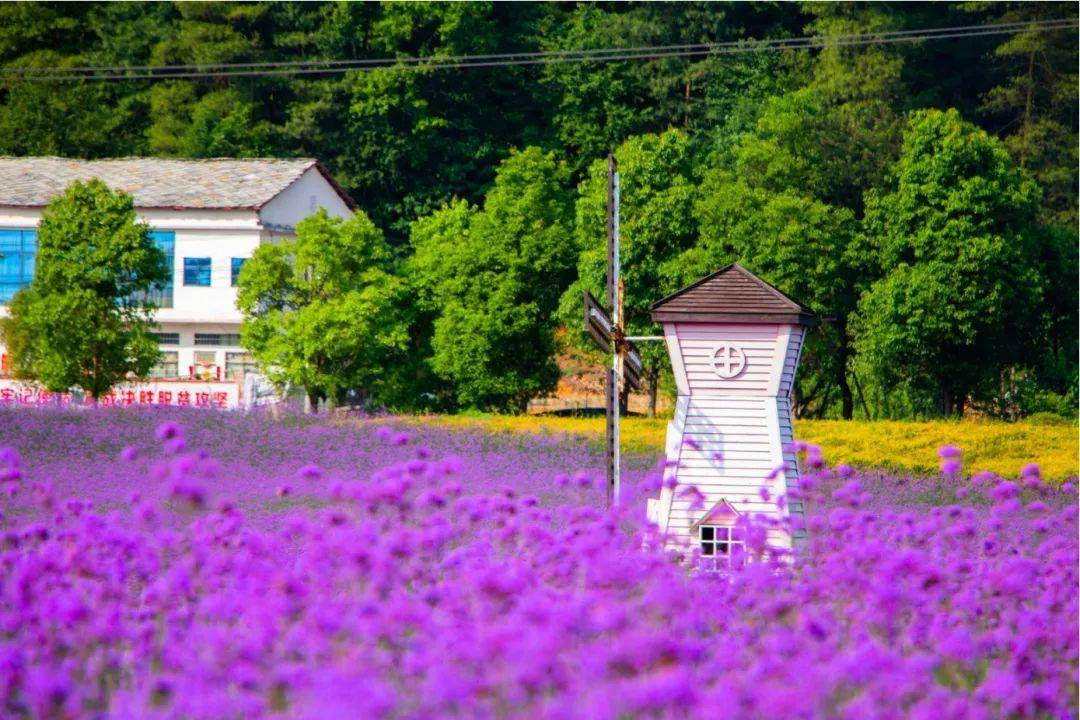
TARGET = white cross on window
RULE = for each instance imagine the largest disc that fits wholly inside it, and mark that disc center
(728, 362)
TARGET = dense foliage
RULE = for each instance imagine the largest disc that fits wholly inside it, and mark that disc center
(85, 320)
(323, 311)
(769, 158)
(490, 279)
(958, 297)
(210, 569)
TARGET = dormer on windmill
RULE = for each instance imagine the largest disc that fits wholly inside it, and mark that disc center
(734, 342)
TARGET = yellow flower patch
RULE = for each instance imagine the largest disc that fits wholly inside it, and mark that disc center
(902, 446)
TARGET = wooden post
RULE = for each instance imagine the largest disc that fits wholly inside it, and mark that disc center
(608, 332)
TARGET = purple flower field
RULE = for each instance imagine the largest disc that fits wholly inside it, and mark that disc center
(170, 564)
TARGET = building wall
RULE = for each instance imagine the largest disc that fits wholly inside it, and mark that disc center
(696, 345)
(729, 435)
(310, 192)
(218, 235)
(190, 350)
(234, 235)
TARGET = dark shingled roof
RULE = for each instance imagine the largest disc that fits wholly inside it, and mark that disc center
(217, 184)
(731, 294)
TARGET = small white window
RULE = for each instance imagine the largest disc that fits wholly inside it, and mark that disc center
(720, 544)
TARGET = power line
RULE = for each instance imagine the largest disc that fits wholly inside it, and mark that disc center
(311, 67)
(1019, 26)
(511, 59)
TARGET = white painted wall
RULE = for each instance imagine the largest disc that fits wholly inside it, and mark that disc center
(696, 345)
(216, 303)
(310, 192)
(218, 234)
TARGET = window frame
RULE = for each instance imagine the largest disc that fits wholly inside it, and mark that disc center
(242, 361)
(730, 536)
(194, 275)
(215, 340)
(169, 358)
(25, 258)
(205, 365)
(165, 241)
(236, 264)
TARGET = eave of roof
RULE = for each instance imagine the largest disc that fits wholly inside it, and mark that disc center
(345, 197)
(747, 318)
(718, 508)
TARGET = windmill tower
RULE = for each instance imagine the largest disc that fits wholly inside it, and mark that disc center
(734, 342)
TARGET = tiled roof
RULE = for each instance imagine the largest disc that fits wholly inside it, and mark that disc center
(157, 182)
(731, 294)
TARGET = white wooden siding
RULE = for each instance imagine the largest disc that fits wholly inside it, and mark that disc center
(697, 343)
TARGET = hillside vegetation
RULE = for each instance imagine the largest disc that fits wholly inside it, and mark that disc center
(919, 197)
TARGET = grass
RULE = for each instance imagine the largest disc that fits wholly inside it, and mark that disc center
(900, 446)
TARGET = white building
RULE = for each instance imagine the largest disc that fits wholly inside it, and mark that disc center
(734, 342)
(208, 216)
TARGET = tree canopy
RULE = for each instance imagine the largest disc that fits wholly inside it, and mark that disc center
(491, 278)
(324, 311)
(657, 223)
(955, 242)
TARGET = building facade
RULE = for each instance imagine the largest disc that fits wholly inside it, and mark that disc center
(207, 216)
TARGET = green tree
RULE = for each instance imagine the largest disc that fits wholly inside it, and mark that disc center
(1035, 105)
(861, 92)
(324, 311)
(786, 198)
(410, 138)
(218, 116)
(785, 202)
(491, 277)
(83, 321)
(1056, 369)
(107, 119)
(798, 243)
(955, 242)
(596, 106)
(657, 223)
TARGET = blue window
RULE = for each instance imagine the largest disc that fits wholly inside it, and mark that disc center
(17, 251)
(197, 271)
(237, 263)
(162, 297)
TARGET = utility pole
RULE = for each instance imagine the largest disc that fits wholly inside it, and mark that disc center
(608, 332)
(613, 298)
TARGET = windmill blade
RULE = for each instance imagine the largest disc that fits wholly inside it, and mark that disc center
(598, 323)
